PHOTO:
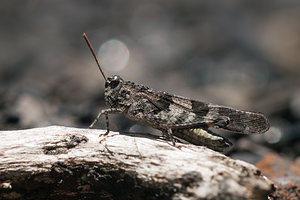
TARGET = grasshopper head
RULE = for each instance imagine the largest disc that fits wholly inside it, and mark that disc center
(113, 84)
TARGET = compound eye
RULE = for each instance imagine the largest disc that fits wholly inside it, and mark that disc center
(114, 83)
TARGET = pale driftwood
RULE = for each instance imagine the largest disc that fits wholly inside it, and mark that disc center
(69, 163)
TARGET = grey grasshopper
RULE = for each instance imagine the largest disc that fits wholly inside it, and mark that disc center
(178, 116)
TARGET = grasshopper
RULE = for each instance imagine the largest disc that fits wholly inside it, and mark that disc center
(174, 115)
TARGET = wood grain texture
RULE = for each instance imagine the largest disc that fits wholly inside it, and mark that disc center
(69, 163)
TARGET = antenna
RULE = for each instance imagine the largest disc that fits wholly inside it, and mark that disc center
(93, 52)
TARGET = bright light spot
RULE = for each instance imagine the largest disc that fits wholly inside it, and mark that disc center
(135, 128)
(273, 135)
(114, 55)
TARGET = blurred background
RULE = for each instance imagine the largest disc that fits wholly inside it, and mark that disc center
(242, 54)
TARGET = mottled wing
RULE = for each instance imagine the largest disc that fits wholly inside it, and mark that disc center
(192, 114)
(174, 111)
(240, 121)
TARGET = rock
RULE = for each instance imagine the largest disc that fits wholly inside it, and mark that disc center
(284, 173)
(69, 163)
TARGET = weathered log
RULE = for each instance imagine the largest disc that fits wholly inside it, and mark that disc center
(69, 163)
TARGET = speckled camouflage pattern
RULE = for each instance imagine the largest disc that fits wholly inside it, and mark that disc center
(179, 116)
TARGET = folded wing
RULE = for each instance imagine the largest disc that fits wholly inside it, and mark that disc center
(187, 113)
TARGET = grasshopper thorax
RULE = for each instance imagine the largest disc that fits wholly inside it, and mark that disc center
(113, 84)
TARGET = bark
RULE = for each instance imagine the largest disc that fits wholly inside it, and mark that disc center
(69, 163)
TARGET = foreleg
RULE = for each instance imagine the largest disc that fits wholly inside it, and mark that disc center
(105, 112)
